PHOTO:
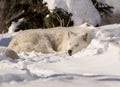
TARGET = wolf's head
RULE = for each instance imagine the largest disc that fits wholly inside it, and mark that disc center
(78, 42)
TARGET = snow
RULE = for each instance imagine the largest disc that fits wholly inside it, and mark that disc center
(101, 1)
(14, 25)
(95, 66)
(82, 10)
(115, 4)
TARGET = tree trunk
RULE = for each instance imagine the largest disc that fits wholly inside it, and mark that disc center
(2, 11)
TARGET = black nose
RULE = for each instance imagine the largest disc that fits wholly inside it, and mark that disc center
(70, 52)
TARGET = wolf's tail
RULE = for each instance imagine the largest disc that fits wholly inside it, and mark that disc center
(8, 52)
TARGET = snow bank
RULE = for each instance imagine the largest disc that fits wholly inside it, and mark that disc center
(95, 66)
(82, 10)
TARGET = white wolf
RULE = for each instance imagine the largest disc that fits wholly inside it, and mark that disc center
(60, 39)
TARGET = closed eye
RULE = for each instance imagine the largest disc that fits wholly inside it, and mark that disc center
(77, 45)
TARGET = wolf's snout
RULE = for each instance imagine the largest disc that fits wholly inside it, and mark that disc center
(70, 52)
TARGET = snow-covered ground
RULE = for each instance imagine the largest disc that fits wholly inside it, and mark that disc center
(95, 66)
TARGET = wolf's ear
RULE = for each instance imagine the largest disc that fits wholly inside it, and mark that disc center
(85, 36)
(70, 33)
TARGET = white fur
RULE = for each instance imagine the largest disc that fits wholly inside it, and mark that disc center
(51, 40)
(8, 52)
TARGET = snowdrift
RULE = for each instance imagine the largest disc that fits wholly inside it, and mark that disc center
(82, 10)
(95, 66)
